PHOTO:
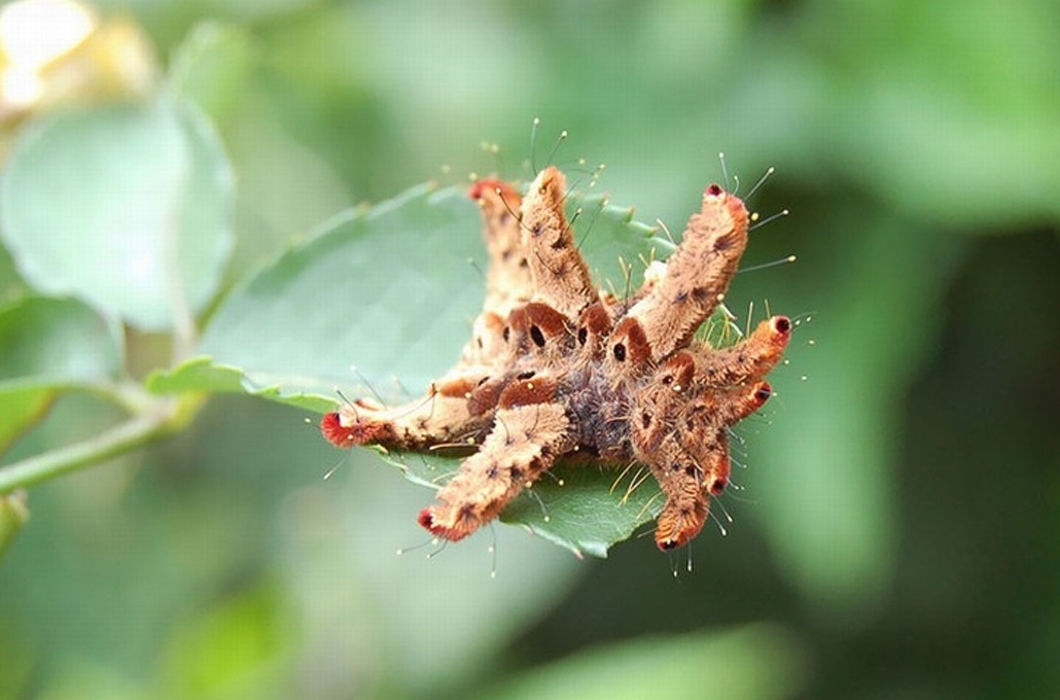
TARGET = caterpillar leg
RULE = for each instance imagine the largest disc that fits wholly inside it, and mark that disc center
(688, 478)
(447, 413)
(560, 276)
(697, 274)
(523, 444)
(508, 280)
(749, 360)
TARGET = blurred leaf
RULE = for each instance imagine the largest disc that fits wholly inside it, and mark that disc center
(211, 67)
(17, 651)
(754, 663)
(125, 206)
(21, 407)
(275, 206)
(13, 515)
(405, 295)
(235, 649)
(45, 341)
(11, 287)
(45, 345)
(823, 468)
(958, 153)
(77, 678)
(378, 617)
(944, 110)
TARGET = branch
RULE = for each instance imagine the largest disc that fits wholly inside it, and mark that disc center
(164, 419)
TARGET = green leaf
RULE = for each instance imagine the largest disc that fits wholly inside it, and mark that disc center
(583, 508)
(20, 408)
(47, 345)
(391, 290)
(586, 508)
(201, 374)
(211, 67)
(45, 341)
(125, 206)
(754, 663)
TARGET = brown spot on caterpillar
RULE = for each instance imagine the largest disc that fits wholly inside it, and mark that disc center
(629, 342)
(484, 398)
(537, 336)
(551, 322)
(594, 324)
(678, 371)
(523, 393)
(596, 320)
(462, 386)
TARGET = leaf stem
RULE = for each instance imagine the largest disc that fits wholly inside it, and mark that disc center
(128, 395)
(164, 418)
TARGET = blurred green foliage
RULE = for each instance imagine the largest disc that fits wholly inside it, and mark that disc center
(897, 531)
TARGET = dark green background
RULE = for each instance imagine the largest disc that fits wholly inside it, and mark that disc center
(898, 532)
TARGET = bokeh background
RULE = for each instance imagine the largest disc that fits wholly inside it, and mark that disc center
(898, 535)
